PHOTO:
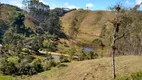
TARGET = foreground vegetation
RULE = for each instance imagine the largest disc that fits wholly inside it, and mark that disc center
(93, 69)
(24, 34)
(127, 66)
(134, 76)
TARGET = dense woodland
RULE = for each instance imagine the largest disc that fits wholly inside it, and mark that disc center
(25, 32)
(19, 41)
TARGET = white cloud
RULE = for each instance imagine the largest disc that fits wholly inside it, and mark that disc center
(16, 3)
(129, 3)
(67, 5)
(53, 6)
(19, 5)
(89, 5)
(138, 1)
(43, 2)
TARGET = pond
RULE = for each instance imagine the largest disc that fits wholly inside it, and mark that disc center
(56, 57)
(86, 49)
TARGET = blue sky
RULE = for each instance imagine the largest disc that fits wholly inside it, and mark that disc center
(91, 4)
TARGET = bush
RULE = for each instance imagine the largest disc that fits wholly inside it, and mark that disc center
(50, 46)
(37, 66)
(13, 59)
(26, 68)
(91, 55)
(16, 66)
(71, 52)
(7, 67)
(123, 78)
(52, 63)
(25, 65)
(48, 64)
(64, 59)
(134, 76)
(137, 76)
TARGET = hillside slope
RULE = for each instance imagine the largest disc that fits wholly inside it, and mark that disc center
(89, 23)
(99, 69)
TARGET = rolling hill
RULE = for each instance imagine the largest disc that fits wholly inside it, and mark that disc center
(89, 22)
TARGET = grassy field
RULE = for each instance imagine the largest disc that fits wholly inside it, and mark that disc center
(99, 69)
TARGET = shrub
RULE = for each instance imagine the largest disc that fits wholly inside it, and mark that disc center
(64, 59)
(50, 46)
(71, 52)
(48, 64)
(36, 65)
(13, 59)
(52, 63)
(91, 55)
(16, 66)
(123, 78)
(7, 67)
(27, 68)
(28, 59)
(25, 65)
(134, 76)
(137, 76)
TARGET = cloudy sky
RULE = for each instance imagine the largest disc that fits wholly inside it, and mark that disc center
(91, 4)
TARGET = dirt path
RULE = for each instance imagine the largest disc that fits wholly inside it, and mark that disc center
(54, 53)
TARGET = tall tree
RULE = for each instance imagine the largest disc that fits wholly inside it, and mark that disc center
(118, 22)
(18, 24)
(74, 29)
(38, 10)
(13, 41)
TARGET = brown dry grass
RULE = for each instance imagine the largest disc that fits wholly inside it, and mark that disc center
(89, 22)
(99, 69)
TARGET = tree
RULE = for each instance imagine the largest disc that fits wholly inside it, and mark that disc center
(118, 22)
(13, 41)
(3, 28)
(74, 29)
(116, 25)
(53, 25)
(80, 53)
(44, 41)
(129, 42)
(98, 45)
(71, 52)
(37, 43)
(18, 24)
(38, 10)
(59, 11)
